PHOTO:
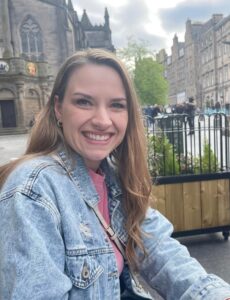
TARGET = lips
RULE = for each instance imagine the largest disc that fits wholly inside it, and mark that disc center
(97, 137)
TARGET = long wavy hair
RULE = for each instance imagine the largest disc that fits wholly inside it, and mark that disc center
(130, 156)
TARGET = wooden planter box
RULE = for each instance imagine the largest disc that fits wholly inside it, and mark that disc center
(199, 206)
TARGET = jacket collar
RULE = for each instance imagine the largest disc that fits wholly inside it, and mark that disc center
(75, 166)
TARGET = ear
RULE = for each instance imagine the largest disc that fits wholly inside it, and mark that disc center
(57, 108)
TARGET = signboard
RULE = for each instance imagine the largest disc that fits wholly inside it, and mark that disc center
(181, 97)
(31, 68)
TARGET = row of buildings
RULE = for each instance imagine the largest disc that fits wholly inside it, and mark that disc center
(199, 67)
(36, 36)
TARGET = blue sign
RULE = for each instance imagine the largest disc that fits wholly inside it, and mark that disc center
(4, 67)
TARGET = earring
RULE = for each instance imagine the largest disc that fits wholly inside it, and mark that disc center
(59, 124)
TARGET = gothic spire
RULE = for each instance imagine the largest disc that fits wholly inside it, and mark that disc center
(70, 5)
(106, 16)
(85, 22)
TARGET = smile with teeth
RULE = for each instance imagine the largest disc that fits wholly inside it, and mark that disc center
(97, 137)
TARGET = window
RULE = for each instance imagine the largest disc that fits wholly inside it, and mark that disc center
(212, 78)
(181, 52)
(31, 38)
(220, 76)
(226, 73)
(169, 60)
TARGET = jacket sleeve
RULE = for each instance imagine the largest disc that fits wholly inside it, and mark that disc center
(169, 269)
(32, 255)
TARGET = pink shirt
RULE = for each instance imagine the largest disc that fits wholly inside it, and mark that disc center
(99, 182)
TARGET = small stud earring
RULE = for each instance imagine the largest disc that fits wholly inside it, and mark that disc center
(59, 124)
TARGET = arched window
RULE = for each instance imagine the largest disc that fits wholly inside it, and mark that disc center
(31, 38)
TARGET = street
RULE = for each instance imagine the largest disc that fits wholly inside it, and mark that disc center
(11, 147)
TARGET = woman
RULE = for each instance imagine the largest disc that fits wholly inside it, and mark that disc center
(84, 168)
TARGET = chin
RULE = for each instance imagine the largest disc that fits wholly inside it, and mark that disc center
(97, 159)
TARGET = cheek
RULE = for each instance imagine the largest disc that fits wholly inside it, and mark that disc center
(70, 117)
(123, 124)
(125, 121)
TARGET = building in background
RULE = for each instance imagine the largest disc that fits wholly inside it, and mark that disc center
(199, 67)
(36, 36)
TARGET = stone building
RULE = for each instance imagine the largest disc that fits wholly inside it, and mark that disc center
(36, 36)
(199, 67)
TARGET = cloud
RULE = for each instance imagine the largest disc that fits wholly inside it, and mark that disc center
(89, 5)
(94, 9)
(138, 18)
(174, 19)
(129, 20)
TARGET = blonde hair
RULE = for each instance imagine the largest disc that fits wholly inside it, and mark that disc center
(129, 157)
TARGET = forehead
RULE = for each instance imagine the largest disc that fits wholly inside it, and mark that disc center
(89, 69)
(91, 74)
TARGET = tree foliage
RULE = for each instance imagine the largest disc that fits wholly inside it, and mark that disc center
(149, 81)
(133, 52)
(147, 74)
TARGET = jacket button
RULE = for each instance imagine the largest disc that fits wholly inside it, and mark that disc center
(85, 272)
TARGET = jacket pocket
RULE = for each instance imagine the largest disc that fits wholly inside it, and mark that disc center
(83, 270)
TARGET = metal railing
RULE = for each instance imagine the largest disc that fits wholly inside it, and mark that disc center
(180, 144)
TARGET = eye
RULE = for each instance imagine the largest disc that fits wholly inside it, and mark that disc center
(83, 102)
(119, 105)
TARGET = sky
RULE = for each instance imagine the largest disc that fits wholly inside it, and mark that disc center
(153, 21)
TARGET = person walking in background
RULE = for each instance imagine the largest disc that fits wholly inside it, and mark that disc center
(217, 106)
(148, 115)
(75, 221)
(190, 110)
(156, 110)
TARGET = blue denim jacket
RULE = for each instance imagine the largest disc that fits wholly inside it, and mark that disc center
(52, 246)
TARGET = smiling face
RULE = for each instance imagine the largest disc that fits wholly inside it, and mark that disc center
(93, 112)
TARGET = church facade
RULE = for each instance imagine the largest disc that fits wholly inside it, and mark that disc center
(36, 36)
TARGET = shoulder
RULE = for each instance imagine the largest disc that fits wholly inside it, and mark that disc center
(39, 170)
(34, 183)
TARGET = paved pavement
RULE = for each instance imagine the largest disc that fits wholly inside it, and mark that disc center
(211, 250)
(12, 146)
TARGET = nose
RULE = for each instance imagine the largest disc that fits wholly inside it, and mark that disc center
(102, 118)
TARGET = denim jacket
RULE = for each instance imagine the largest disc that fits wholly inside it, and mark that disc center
(53, 247)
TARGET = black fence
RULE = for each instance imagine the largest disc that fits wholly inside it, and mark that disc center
(180, 144)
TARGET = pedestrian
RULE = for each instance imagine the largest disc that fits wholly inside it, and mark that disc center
(217, 106)
(190, 110)
(149, 113)
(75, 221)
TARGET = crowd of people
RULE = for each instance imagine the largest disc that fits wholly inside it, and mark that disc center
(189, 108)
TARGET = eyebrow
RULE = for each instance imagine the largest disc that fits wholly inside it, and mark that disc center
(82, 94)
(90, 97)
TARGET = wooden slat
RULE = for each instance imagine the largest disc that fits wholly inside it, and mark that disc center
(192, 205)
(175, 205)
(158, 196)
(209, 203)
(223, 202)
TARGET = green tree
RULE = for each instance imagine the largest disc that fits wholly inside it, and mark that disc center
(133, 52)
(150, 84)
(147, 74)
